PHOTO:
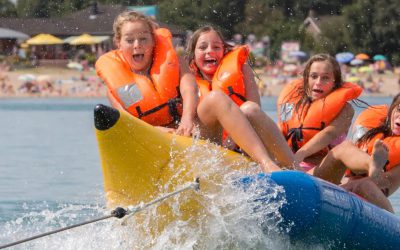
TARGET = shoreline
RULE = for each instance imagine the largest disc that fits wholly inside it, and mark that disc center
(52, 82)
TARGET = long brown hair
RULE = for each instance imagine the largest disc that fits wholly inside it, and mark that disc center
(305, 100)
(191, 47)
(385, 128)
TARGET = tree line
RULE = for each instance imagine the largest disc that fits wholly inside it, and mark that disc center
(360, 26)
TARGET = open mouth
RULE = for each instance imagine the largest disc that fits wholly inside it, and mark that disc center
(396, 128)
(211, 62)
(318, 91)
(138, 57)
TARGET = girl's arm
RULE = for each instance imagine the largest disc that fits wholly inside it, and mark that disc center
(340, 125)
(190, 99)
(252, 93)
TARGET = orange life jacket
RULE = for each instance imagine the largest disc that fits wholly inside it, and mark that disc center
(156, 100)
(299, 126)
(374, 117)
(229, 76)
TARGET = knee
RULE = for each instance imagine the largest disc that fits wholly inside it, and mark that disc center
(214, 100)
(250, 109)
(342, 147)
(215, 97)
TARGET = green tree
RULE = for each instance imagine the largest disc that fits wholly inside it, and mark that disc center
(7, 9)
(332, 38)
(190, 14)
(179, 12)
(373, 27)
(263, 18)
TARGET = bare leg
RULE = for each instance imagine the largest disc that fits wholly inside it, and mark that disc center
(367, 189)
(269, 133)
(217, 110)
(348, 155)
(344, 155)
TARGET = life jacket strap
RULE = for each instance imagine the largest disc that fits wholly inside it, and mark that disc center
(172, 109)
(296, 135)
(232, 92)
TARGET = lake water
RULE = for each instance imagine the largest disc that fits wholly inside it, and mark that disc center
(50, 173)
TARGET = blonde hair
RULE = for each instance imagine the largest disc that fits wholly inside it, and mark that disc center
(131, 16)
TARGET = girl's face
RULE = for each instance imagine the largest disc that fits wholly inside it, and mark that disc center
(208, 53)
(320, 80)
(137, 44)
(395, 121)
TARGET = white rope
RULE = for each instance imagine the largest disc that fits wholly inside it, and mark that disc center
(131, 210)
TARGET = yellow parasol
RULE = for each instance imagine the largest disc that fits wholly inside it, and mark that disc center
(44, 39)
(84, 39)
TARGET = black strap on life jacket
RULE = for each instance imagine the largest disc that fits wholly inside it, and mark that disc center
(232, 92)
(296, 135)
(172, 109)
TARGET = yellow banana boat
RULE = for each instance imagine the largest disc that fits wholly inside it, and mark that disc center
(140, 162)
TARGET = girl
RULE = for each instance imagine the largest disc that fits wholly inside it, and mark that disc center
(144, 76)
(376, 147)
(221, 68)
(313, 112)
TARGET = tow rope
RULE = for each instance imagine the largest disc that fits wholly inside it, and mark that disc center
(118, 212)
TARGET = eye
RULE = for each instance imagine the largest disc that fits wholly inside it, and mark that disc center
(326, 78)
(217, 47)
(313, 76)
(203, 47)
(130, 41)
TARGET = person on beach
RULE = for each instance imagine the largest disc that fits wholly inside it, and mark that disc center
(375, 148)
(313, 112)
(145, 77)
(221, 68)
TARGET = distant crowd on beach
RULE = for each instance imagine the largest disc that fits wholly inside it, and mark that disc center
(81, 80)
(69, 83)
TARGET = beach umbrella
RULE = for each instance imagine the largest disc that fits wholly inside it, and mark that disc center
(356, 62)
(344, 57)
(379, 58)
(362, 56)
(298, 53)
(44, 39)
(12, 34)
(27, 77)
(84, 39)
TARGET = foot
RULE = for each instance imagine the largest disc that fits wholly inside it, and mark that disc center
(268, 167)
(379, 158)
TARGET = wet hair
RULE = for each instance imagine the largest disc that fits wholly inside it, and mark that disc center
(191, 47)
(131, 16)
(385, 128)
(337, 76)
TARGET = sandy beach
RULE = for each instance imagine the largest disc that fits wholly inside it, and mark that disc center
(64, 82)
(50, 82)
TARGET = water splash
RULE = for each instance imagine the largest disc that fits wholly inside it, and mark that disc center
(230, 216)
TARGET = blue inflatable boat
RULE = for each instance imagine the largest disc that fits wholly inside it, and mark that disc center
(318, 212)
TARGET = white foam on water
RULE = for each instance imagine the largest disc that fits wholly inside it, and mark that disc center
(231, 217)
